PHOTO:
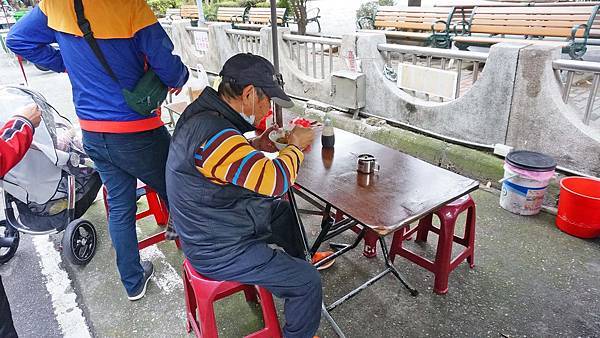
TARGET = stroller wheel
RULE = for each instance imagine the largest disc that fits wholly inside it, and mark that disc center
(9, 237)
(79, 242)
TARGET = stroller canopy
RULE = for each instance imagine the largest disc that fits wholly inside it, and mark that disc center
(36, 178)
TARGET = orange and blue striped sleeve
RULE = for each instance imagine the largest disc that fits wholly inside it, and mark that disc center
(228, 158)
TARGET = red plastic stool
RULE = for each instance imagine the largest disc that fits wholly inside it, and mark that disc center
(156, 207)
(443, 264)
(201, 293)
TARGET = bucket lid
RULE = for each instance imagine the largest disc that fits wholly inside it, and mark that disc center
(530, 160)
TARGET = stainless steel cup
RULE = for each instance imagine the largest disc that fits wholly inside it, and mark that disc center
(367, 164)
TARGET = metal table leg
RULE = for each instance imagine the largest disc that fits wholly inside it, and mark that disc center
(413, 292)
(341, 249)
(326, 314)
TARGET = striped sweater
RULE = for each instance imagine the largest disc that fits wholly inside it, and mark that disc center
(228, 158)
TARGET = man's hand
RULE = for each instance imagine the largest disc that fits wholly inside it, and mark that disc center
(33, 113)
(263, 143)
(301, 137)
(175, 91)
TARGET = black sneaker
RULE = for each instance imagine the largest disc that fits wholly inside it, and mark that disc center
(141, 291)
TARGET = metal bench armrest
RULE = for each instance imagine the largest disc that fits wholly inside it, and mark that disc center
(466, 28)
(365, 18)
(440, 21)
(235, 17)
(576, 28)
(578, 48)
(313, 17)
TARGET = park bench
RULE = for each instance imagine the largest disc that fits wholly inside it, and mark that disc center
(189, 12)
(232, 14)
(430, 25)
(173, 13)
(540, 25)
(260, 17)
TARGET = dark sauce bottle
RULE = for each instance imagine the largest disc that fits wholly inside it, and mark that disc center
(327, 137)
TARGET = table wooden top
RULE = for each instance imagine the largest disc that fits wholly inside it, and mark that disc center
(403, 191)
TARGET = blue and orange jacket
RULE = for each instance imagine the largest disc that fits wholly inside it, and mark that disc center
(128, 34)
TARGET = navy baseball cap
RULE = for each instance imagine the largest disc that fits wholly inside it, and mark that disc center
(249, 69)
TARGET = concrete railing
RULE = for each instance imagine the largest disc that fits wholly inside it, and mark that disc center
(571, 67)
(312, 54)
(244, 41)
(445, 59)
(513, 96)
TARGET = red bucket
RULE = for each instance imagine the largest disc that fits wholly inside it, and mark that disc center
(579, 207)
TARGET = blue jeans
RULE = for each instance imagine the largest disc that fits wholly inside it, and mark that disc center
(122, 159)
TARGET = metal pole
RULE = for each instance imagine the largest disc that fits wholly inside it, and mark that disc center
(590, 103)
(201, 19)
(278, 114)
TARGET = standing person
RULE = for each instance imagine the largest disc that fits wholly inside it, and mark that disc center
(124, 144)
(15, 138)
(226, 194)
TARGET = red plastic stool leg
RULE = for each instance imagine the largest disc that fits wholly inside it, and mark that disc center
(208, 322)
(105, 197)
(424, 225)
(250, 293)
(272, 328)
(470, 236)
(190, 305)
(370, 248)
(396, 246)
(155, 207)
(444, 254)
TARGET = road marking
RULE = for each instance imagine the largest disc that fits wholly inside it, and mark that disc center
(68, 314)
(165, 275)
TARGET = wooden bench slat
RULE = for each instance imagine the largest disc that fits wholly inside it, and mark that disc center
(535, 10)
(491, 41)
(410, 25)
(421, 20)
(413, 9)
(411, 18)
(540, 31)
(526, 23)
(573, 17)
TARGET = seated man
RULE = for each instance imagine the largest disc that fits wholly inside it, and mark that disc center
(224, 193)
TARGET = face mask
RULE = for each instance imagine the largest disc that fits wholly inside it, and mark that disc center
(250, 119)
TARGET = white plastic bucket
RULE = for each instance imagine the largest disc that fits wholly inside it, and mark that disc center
(523, 191)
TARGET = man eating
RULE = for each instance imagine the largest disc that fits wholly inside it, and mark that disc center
(225, 194)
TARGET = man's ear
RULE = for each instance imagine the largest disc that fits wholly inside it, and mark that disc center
(247, 92)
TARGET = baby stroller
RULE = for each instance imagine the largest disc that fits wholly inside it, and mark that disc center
(52, 187)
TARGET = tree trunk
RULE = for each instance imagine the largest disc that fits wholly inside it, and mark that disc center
(416, 3)
(299, 8)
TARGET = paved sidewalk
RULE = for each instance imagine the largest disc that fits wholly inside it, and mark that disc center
(530, 280)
